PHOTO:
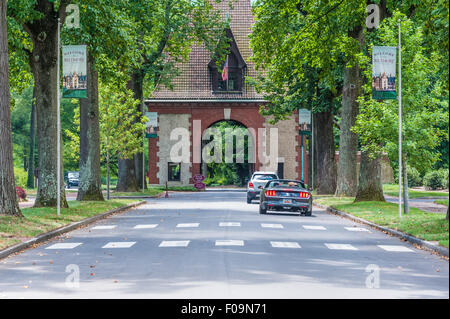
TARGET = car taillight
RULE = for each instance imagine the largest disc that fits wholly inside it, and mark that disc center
(303, 195)
(271, 193)
(250, 185)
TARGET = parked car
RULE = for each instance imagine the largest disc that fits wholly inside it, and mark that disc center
(257, 182)
(286, 195)
(72, 179)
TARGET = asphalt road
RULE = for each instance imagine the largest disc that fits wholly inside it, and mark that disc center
(214, 245)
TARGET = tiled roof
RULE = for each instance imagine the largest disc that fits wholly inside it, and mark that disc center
(194, 81)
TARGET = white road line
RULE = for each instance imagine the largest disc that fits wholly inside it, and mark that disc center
(314, 227)
(122, 244)
(174, 243)
(272, 226)
(188, 225)
(396, 248)
(104, 227)
(357, 229)
(284, 244)
(64, 246)
(145, 226)
(341, 246)
(229, 224)
(229, 243)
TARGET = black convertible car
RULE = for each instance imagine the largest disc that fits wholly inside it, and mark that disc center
(285, 195)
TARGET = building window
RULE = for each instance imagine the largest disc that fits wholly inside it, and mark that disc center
(235, 78)
(174, 172)
(236, 68)
(280, 170)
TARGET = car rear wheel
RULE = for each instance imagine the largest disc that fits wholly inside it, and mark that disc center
(249, 200)
(262, 211)
(308, 213)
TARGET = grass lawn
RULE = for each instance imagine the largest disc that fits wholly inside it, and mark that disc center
(13, 230)
(428, 226)
(392, 190)
(442, 201)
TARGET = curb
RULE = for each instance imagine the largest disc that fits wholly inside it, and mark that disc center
(401, 235)
(64, 229)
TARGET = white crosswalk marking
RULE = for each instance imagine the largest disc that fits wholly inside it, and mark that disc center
(314, 227)
(357, 229)
(64, 246)
(188, 225)
(284, 244)
(123, 244)
(272, 226)
(145, 226)
(104, 227)
(229, 224)
(174, 243)
(397, 248)
(341, 246)
(229, 243)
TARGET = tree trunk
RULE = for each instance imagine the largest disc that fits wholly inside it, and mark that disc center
(130, 170)
(369, 186)
(30, 179)
(43, 59)
(137, 87)
(405, 185)
(90, 186)
(324, 156)
(127, 176)
(348, 142)
(8, 197)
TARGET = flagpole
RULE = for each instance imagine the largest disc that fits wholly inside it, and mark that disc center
(399, 121)
(58, 126)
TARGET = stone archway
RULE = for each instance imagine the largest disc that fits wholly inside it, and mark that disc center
(205, 116)
(228, 153)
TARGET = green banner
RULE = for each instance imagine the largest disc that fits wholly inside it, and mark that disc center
(74, 71)
(384, 73)
(151, 125)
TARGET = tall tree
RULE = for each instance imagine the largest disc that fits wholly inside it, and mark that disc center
(291, 41)
(425, 102)
(347, 180)
(40, 21)
(8, 197)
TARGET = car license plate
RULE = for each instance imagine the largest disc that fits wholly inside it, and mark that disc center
(287, 201)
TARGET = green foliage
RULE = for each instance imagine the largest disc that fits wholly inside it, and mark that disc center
(435, 179)
(120, 126)
(20, 177)
(414, 178)
(425, 100)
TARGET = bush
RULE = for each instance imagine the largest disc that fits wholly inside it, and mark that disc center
(434, 179)
(21, 193)
(20, 177)
(414, 178)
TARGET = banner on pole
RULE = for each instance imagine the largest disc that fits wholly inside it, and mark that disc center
(304, 119)
(74, 71)
(384, 73)
(152, 125)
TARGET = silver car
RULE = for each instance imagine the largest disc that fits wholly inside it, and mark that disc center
(257, 182)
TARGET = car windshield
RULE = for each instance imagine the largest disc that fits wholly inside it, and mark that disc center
(73, 175)
(264, 177)
(286, 184)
